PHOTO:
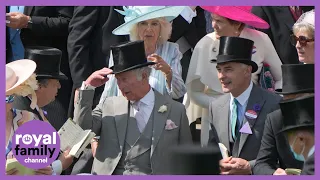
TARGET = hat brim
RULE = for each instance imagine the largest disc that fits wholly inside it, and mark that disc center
(244, 61)
(296, 127)
(279, 91)
(132, 67)
(61, 76)
(169, 13)
(23, 69)
(238, 14)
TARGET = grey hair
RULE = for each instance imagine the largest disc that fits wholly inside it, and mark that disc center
(139, 72)
(304, 27)
(43, 82)
(165, 31)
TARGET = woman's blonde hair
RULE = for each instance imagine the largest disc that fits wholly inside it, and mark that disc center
(165, 31)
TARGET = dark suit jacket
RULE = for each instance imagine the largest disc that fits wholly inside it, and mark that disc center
(274, 151)
(49, 28)
(247, 146)
(308, 167)
(89, 34)
(281, 22)
(192, 32)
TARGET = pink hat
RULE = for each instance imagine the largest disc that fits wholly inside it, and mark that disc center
(238, 13)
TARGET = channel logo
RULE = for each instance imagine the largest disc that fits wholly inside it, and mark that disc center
(35, 144)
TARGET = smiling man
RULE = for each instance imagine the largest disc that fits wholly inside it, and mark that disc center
(237, 118)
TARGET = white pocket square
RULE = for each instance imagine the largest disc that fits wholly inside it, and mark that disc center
(170, 125)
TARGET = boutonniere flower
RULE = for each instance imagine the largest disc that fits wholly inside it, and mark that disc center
(162, 109)
(257, 107)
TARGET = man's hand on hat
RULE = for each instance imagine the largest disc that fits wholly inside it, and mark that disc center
(160, 64)
(98, 78)
(17, 20)
(235, 166)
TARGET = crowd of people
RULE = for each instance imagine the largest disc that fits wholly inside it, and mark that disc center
(147, 79)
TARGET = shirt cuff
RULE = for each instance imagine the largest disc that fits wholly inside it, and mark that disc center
(188, 14)
(86, 87)
(56, 167)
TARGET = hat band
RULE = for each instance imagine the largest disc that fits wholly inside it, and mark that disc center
(227, 58)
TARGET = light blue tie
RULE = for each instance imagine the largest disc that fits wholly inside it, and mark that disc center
(234, 118)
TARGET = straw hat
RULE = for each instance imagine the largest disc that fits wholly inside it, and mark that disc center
(21, 80)
(17, 72)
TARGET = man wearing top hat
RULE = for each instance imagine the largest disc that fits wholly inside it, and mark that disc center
(275, 155)
(237, 118)
(137, 128)
(48, 77)
(298, 126)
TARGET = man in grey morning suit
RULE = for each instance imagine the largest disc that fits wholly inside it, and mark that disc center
(237, 118)
(139, 144)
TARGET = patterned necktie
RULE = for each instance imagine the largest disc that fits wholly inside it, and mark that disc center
(234, 119)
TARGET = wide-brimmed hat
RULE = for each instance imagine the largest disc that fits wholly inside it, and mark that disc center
(129, 56)
(297, 113)
(297, 78)
(135, 14)
(194, 160)
(17, 72)
(238, 13)
(48, 62)
(236, 49)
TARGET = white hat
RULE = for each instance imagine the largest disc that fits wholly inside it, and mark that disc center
(308, 18)
(21, 80)
(135, 14)
(17, 72)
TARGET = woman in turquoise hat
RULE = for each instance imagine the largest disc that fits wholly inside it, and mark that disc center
(152, 25)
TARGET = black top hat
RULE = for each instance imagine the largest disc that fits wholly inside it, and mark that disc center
(195, 160)
(236, 49)
(297, 78)
(298, 113)
(129, 56)
(48, 61)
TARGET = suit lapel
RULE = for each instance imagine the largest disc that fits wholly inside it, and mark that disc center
(159, 119)
(255, 99)
(28, 10)
(122, 119)
(285, 13)
(225, 123)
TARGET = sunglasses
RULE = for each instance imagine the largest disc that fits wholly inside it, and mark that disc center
(9, 99)
(302, 40)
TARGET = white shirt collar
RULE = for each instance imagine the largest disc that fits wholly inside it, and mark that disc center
(148, 99)
(243, 98)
